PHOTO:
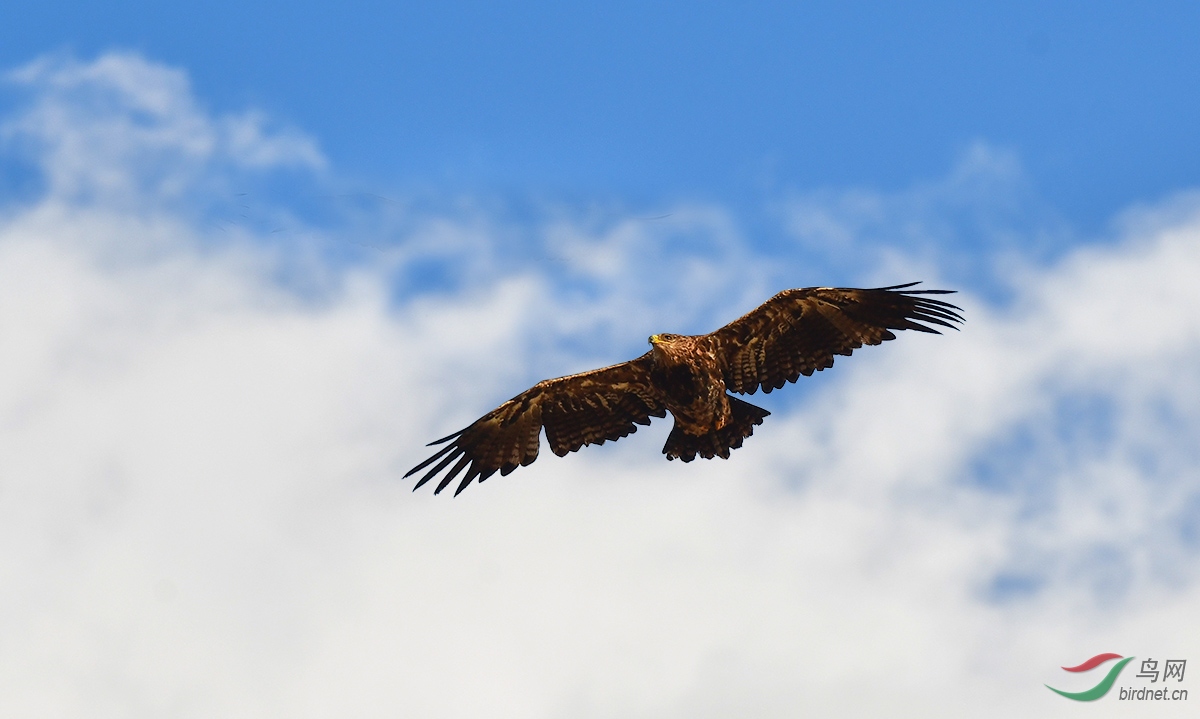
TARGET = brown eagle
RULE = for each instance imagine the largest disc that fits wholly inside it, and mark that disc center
(796, 332)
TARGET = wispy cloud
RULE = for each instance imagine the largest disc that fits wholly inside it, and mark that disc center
(121, 128)
(981, 224)
(201, 511)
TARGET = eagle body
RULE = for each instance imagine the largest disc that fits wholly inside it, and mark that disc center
(796, 332)
(686, 372)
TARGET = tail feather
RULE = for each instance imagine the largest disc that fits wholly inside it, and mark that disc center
(717, 443)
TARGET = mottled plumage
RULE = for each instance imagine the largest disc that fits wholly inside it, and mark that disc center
(796, 332)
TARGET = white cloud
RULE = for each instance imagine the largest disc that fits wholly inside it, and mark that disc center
(981, 223)
(201, 512)
(121, 129)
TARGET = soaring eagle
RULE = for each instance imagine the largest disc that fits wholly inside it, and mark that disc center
(796, 332)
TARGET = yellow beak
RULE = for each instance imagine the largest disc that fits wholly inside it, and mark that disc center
(655, 339)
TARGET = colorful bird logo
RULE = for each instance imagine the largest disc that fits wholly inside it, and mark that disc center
(1105, 684)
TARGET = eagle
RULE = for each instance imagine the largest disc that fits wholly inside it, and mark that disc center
(796, 332)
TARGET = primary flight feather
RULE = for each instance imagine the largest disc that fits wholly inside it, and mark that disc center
(796, 332)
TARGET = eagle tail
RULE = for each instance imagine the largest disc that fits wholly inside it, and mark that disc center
(744, 416)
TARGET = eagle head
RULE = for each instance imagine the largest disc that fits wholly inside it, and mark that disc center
(664, 338)
(667, 346)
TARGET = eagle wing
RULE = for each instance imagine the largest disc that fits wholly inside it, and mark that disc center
(577, 410)
(797, 332)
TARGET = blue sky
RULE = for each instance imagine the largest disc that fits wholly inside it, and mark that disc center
(649, 102)
(253, 258)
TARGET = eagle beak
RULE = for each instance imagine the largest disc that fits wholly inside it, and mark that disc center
(655, 339)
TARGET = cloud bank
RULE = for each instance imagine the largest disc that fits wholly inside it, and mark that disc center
(200, 505)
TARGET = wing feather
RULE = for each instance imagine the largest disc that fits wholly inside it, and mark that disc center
(587, 408)
(798, 332)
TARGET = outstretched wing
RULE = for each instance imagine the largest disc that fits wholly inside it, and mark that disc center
(577, 410)
(797, 332)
